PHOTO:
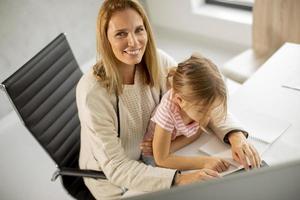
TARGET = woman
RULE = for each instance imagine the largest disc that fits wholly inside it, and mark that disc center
(115, 100)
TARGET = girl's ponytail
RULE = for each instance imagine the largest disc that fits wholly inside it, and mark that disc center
(170, 76)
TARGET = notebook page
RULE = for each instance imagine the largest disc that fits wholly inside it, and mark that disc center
(293, 81)
(215, 147)
(262, 126)
(292, 84)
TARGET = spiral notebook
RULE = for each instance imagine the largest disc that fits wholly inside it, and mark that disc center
(263, 131)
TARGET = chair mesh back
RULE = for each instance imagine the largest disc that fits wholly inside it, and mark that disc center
(43, 92)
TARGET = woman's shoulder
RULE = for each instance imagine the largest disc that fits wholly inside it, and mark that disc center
(93, 97)
(89, 86)
(165, 60)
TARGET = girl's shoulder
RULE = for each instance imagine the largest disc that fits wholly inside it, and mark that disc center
(167, 102)
(165, 62)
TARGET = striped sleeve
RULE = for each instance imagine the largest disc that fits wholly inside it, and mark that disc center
(163, 115)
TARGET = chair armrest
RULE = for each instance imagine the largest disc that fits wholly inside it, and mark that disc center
(78, 172)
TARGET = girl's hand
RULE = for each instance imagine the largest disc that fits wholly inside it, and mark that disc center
(243, 152)
(200, 175)
(146, 147)
(215, 163)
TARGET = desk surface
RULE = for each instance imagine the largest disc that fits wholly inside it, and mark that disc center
(264, 92)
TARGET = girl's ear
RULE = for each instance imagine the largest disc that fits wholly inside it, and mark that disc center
(178, 100)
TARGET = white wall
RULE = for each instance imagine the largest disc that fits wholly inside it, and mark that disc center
(228, 25)
(28, 25)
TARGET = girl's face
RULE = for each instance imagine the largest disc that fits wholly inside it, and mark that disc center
(197, 112)
(127, 36)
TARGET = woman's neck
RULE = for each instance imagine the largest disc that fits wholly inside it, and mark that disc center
(127, 73)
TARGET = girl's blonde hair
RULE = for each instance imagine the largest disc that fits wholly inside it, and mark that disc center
(198, 81)
(106, 67)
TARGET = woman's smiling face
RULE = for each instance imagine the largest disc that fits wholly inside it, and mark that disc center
(127, 36)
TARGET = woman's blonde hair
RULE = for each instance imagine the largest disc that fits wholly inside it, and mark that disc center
(198, 81)
(106, 67)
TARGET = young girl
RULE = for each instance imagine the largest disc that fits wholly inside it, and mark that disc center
(197, 97)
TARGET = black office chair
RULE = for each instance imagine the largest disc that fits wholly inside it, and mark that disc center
(42, 92)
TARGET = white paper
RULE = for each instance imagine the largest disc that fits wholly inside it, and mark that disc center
(215, 147)
(293, 81)
(262, 126)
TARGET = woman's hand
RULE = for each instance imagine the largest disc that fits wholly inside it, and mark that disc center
(200, 175)
(243, 152)
(146, 147)
(215, 163)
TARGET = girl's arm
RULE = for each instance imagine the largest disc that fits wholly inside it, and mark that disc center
(164, 158)
(183, 141)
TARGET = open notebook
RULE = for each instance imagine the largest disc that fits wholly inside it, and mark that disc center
(263, 131)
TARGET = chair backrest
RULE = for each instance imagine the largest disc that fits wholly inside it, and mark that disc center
(42, 92)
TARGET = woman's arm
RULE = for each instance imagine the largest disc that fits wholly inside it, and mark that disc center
(229, 131)
(164, 158)
(222, 126)
(242, 151)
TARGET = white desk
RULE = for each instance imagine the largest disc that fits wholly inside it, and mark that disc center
(264, 92)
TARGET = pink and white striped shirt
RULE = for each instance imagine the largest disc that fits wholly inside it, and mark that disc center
(167, 116)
